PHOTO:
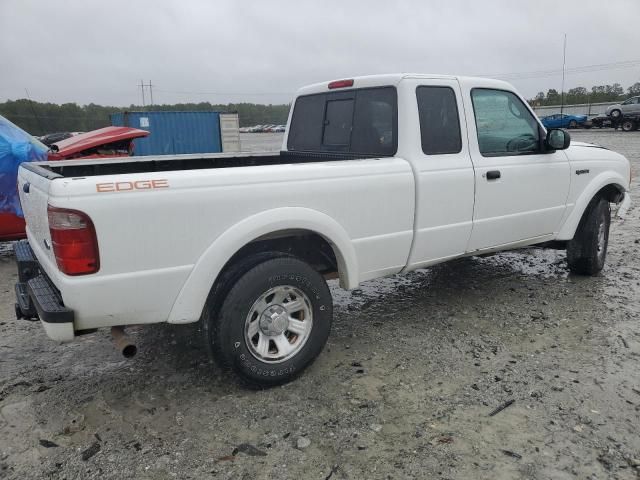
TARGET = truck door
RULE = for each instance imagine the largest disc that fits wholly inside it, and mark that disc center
(521, 190)
(439, 153)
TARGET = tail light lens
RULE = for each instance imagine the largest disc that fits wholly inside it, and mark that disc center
(74, 242)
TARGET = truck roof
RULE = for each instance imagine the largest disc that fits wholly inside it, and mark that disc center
(396, 78)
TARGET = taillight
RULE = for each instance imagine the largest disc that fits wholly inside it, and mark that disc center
(341, 84)
(74, 241)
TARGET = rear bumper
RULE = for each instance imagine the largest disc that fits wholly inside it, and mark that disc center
(38, 298)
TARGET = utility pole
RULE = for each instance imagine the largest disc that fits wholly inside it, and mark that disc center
(142, 90)
(564, 61)
(151, 91)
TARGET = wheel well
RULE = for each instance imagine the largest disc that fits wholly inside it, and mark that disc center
(308, 246)
(303, 244)
(612, 192)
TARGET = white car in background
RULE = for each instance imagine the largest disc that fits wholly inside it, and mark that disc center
(630, 106)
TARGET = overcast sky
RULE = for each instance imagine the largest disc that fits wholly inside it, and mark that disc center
(262, 51)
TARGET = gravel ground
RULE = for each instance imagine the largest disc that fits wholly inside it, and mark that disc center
(413, 368)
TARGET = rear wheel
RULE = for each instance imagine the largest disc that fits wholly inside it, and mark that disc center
(573, 124)
(273, 323)
(616, 113)
(628, 125)
(587, 251)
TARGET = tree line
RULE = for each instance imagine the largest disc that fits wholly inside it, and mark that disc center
(599, 93)
(39, 118)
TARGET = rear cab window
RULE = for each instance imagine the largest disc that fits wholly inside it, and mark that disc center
(360, 121)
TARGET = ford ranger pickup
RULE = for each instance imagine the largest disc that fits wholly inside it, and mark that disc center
(377, 175)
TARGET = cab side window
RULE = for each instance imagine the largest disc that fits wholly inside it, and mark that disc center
(505, 126)
(439, 120)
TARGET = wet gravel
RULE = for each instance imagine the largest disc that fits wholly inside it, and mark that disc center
(413, 369)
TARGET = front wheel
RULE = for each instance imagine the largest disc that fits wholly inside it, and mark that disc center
(587, 251)
(628, 125)
(616, 113)
(273, 323)
(573, 124)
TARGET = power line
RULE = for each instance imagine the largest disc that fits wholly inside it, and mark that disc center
(183, 92)
(574, 70)
(33, 110)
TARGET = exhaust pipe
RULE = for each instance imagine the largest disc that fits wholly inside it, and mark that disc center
(123, 343)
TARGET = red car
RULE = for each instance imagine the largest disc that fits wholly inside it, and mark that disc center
(105, 142)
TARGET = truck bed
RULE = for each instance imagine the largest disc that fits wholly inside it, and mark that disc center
(164, 163)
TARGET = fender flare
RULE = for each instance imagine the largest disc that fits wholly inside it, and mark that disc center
(193, 295)
(570, 224)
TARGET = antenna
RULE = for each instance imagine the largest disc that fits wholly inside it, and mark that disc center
(33, 111)
(564, 60)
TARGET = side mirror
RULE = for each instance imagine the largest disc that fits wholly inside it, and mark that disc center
(557, 139)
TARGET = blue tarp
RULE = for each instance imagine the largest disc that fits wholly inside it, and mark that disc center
(16, 146)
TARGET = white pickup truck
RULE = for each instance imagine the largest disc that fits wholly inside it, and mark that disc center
(377, 175)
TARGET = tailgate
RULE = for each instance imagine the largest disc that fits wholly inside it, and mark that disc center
(34, 196)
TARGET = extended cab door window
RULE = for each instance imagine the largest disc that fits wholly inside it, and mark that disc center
(361, 121)
(505, 126)
(439, 120)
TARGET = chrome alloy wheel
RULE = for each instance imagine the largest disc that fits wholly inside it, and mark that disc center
(278, 324)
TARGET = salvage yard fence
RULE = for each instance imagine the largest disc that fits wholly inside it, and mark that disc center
(577, 109)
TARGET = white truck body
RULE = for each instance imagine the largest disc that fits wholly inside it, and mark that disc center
(162, 249)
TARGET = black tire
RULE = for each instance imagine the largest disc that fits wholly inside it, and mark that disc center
(573, 124)
(587, 251)
(628, 125)
(615, 113)
(224, 324)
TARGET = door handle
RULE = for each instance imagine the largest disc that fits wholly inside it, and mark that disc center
(493, 174)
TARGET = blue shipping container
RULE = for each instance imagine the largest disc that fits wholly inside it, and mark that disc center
(173, 132)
